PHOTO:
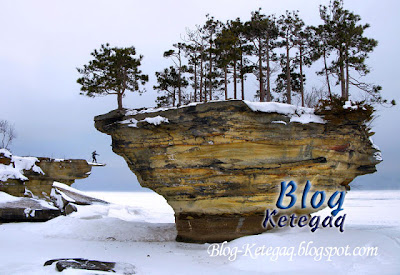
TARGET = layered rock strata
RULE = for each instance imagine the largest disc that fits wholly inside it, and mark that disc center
(22, 175)
(30, 191)
(220, 164)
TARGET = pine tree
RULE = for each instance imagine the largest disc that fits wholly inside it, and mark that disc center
(197, 44)
(210, 31)
(112, 71)
(242, 49)
(320, 45)
(169, 82)
(290, 25)
(296, 80)
(224, 46)
(193, 57)
(262, 32)
(177, 58)
(305, 54)
(352, 48)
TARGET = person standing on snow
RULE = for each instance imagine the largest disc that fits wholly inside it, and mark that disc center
(94, 154)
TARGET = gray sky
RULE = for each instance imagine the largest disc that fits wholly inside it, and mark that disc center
(42, 43)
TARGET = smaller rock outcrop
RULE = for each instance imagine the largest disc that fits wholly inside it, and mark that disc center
(26, 184)
(21, 176)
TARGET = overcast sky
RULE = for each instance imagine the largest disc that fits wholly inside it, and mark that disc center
(42, 43)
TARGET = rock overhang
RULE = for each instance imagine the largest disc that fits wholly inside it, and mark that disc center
(223, 162)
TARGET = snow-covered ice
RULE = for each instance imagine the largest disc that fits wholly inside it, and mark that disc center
(138, 228)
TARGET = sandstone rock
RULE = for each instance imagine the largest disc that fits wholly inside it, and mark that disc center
(37, 178)
(70, 208)
(27, 210)
(220, 165)
(30, 177)
(72, 195)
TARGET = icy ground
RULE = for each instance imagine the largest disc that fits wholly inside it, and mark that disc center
(138, 229)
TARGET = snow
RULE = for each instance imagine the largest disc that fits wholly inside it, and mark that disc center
(279, 122)
(131, 122)
(138, 228)
(273, 107)
(95, 164)
(59, 160)
(348, 105)
(156, 120)
(9, 201)
(134, 112)
(307, 118)
(151, 120)
(5, 198)
(15, 170)
(57, 198)
(68, 188)
(9, 172)
(377, 155)
(147, 110)
(5, 152)
(26, 163)
(374, 145)
(297, 114)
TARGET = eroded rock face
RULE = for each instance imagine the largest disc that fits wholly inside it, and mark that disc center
(37, 189)
(38, 174)
(220, 165)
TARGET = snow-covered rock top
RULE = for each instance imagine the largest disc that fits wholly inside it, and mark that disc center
(15, 170)
(297, 114)
(151, 120)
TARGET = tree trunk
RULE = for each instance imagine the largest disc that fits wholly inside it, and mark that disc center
(262, 95)
(347, 75)
(327, 76)
(210, 60)
(174, 98)
(226, 81)
(201, 77)
(205, 90)
(179, 78)
(234, 80)
(195, 81)
(119, 99)
(288, 79)
(269, 97)
(241, 72)
(301, 76)
(341, 76)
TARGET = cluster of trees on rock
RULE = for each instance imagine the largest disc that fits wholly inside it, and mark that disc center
(218, 57)
(218, 53)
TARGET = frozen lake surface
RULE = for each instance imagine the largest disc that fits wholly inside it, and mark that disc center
(138, 228)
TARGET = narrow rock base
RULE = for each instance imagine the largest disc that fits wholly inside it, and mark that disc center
(205, 228)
